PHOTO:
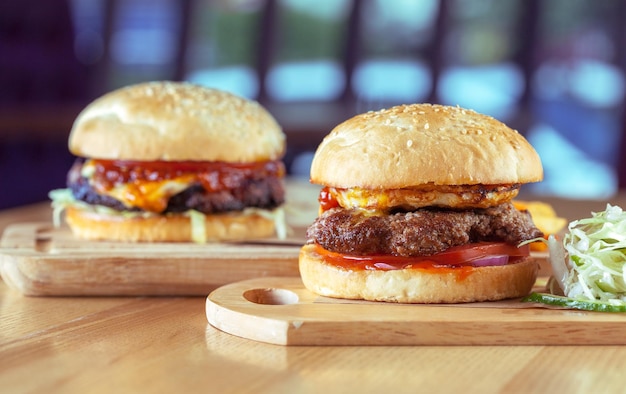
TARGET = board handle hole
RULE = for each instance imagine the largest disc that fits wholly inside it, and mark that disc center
(271, 296)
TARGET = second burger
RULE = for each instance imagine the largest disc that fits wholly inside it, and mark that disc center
(170, 162)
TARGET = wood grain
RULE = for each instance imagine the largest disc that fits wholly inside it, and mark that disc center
(281, 311)
(165, 344)
(39, 260)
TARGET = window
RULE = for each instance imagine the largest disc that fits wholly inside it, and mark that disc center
(550, 68)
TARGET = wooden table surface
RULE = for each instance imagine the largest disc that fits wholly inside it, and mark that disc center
(164, 344)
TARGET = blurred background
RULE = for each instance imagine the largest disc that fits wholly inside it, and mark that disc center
(552, 69)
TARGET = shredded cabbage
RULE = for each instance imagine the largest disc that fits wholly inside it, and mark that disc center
(61, 198)
(198, 226)
(596, 249)
(277, 215)
(558, 260)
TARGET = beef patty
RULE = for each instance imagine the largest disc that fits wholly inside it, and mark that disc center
(420, 233)
(265, 193)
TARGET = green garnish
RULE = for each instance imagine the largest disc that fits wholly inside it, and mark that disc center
(572, 303)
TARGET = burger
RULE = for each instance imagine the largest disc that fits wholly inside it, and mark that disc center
(174, 162)
(416, 207)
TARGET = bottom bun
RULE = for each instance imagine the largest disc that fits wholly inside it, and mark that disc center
(165, 228)
(413, 285)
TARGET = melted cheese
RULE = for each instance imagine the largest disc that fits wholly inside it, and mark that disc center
(410, 199)
(151, 196)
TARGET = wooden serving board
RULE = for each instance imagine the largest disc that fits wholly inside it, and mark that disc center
(40, 260)
(282, 311)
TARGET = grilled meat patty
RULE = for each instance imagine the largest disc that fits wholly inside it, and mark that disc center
(420, 233)
(266, 193)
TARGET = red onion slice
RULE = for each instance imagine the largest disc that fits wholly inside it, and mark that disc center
(487, 261)
(385, 266)
(491, 261)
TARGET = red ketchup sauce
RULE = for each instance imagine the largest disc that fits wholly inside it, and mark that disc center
(443, 262)
(142, 178)
(214, 176)
(326, 200)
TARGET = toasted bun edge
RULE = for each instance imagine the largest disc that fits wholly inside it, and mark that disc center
(165, 228)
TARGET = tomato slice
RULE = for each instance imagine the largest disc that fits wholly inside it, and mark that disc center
(457, 256)
(464, 253)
